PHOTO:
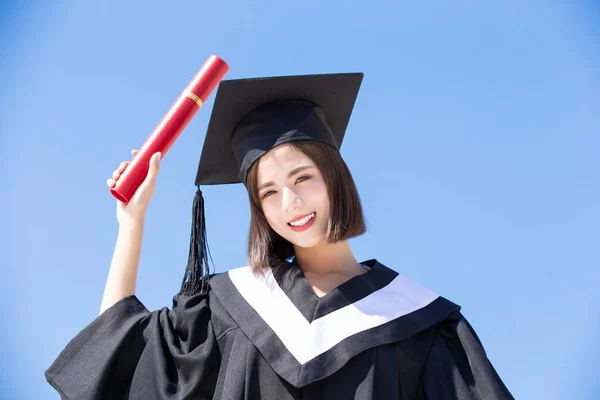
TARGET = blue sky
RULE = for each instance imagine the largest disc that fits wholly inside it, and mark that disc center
(474, 144)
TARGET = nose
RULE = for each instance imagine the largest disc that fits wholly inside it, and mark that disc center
(290, 200)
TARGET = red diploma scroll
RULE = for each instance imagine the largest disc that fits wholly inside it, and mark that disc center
(169, 128)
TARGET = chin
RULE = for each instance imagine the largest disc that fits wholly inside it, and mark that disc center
(305, 244)
(308, 241)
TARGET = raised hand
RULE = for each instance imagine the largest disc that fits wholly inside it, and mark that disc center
(135, 211)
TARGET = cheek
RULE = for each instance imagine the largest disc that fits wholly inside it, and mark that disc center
(317, 191)
(271, 211)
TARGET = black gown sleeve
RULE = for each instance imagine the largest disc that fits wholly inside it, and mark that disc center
(457, 367)
(129, 352)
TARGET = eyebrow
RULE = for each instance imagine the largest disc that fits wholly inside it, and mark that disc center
(292, 173)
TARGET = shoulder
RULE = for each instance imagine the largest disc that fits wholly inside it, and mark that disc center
(404, 291)
(455, 347)
(240, 278)
(209, 304)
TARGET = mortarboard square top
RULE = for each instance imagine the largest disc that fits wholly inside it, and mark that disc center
(251, 116)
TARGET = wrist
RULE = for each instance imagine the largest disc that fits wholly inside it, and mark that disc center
(127, 224)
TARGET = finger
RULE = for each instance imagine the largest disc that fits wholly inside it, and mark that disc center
(116, 174)
(156, 159)
(110, 182)
(158, 156)
(122, 166)
(154, 165)
(134, 152)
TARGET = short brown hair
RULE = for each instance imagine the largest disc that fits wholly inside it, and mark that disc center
(268, 250)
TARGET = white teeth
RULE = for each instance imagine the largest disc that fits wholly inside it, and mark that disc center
(303, 221)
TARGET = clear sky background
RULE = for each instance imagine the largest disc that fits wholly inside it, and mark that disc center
(474, 142)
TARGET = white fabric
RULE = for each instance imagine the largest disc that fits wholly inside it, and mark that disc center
(307, 340)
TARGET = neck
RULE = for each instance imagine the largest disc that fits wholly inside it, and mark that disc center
(327, 258)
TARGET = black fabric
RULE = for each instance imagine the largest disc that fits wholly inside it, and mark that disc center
(298, 289)
(285, 364)
(274, 124)
(251, 116)
(457, 358)
(131, 353)
(257, 331)
(394, 331)
(197, 350)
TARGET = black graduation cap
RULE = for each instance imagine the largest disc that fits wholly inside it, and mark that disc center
(249, 118)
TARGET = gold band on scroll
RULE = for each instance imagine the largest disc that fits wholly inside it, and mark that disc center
(195, 98)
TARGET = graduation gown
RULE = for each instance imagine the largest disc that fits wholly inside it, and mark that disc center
(379, 335)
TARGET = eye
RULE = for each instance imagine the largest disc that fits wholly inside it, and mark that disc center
(267, 194)
(303, 178)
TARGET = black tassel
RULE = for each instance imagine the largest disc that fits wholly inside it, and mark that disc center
(198, 269)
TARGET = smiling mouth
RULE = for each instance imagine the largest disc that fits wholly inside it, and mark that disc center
(303, 223)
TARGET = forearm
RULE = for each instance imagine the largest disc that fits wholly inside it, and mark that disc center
(122, 276)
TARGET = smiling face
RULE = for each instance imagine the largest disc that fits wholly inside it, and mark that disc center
(308, 180)
(293, 196)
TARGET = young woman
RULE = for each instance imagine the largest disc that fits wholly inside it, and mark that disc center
(305, 319)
